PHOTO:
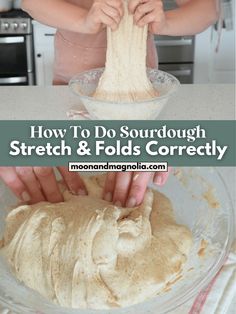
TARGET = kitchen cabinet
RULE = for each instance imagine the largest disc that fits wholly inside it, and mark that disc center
(213, 65)
(44, 53)
(222, 63)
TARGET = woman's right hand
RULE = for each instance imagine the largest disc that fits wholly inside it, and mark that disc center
(103, 13)
(36, 184)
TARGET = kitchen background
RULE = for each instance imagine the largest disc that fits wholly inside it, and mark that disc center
(27, 49)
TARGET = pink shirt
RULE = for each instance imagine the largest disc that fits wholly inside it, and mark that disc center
(75, 52)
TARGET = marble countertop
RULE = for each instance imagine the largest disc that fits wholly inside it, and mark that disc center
(191, 102)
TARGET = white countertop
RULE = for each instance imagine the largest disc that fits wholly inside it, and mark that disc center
(192, 102)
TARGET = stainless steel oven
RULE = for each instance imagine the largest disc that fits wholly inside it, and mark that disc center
(176, 53)
(16, 49)
(176, 56)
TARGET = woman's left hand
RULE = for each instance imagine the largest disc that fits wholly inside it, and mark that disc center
(149, 12)
(127, 189)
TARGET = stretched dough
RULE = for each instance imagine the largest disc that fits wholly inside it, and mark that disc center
(125, 77)
(87, 253)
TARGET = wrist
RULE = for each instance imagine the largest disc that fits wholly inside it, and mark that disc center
(80, 23)
(165, 28)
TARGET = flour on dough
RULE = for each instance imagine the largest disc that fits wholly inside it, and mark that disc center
(88, 253)
(125, 77)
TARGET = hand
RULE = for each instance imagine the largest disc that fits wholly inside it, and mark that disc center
(103, 13)
(36, 184)
(128, 188)
(149, 12)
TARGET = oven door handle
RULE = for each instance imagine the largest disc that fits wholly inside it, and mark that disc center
(180, 72)
(12, 40)
(13, 80)
(174, 42)
(49, 34)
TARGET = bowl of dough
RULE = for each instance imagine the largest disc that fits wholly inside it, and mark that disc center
(195, 245)
(114, 97)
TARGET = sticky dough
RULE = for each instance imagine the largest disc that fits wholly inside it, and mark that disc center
(87, 253)
(125, 78)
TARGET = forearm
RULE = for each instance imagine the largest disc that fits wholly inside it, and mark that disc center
(56, 13)
(184, 20)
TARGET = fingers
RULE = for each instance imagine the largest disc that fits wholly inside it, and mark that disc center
(73, 181)
(113, 14)
(108, 13)
(36, 184)
(143, 10)
(108, 21)
(48, 183)
(27, 176)
(133, 4)
(160, 178)
(121, 190)
(109, 186)
(146, 11)
(118, 5)
(149, 18)
(126, 188)
(11, 179)
(138, 188)
(39, 183)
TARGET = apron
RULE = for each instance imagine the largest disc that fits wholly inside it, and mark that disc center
(76, 52)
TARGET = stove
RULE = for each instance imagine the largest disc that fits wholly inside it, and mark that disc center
(15, 13)
(16, 49)
(176, 53)
(15, 22)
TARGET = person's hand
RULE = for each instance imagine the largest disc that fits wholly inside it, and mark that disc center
(36, 184)
(149, 12)
(128, 188)
(103, 13)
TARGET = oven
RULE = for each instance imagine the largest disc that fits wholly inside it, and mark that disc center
(16, 49)
(176, 53)
(176, 56)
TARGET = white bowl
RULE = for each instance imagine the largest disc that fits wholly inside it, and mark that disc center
(85, 84)
(185, 188)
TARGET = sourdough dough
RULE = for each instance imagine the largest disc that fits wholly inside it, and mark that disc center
(87, 253)
(125, 78)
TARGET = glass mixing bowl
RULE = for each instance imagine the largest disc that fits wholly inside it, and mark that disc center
(209, 217)
(85, 84)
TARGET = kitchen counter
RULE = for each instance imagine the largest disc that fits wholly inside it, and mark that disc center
(206, 102)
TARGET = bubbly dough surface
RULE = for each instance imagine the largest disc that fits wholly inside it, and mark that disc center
(87, 253)
(125, 78)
